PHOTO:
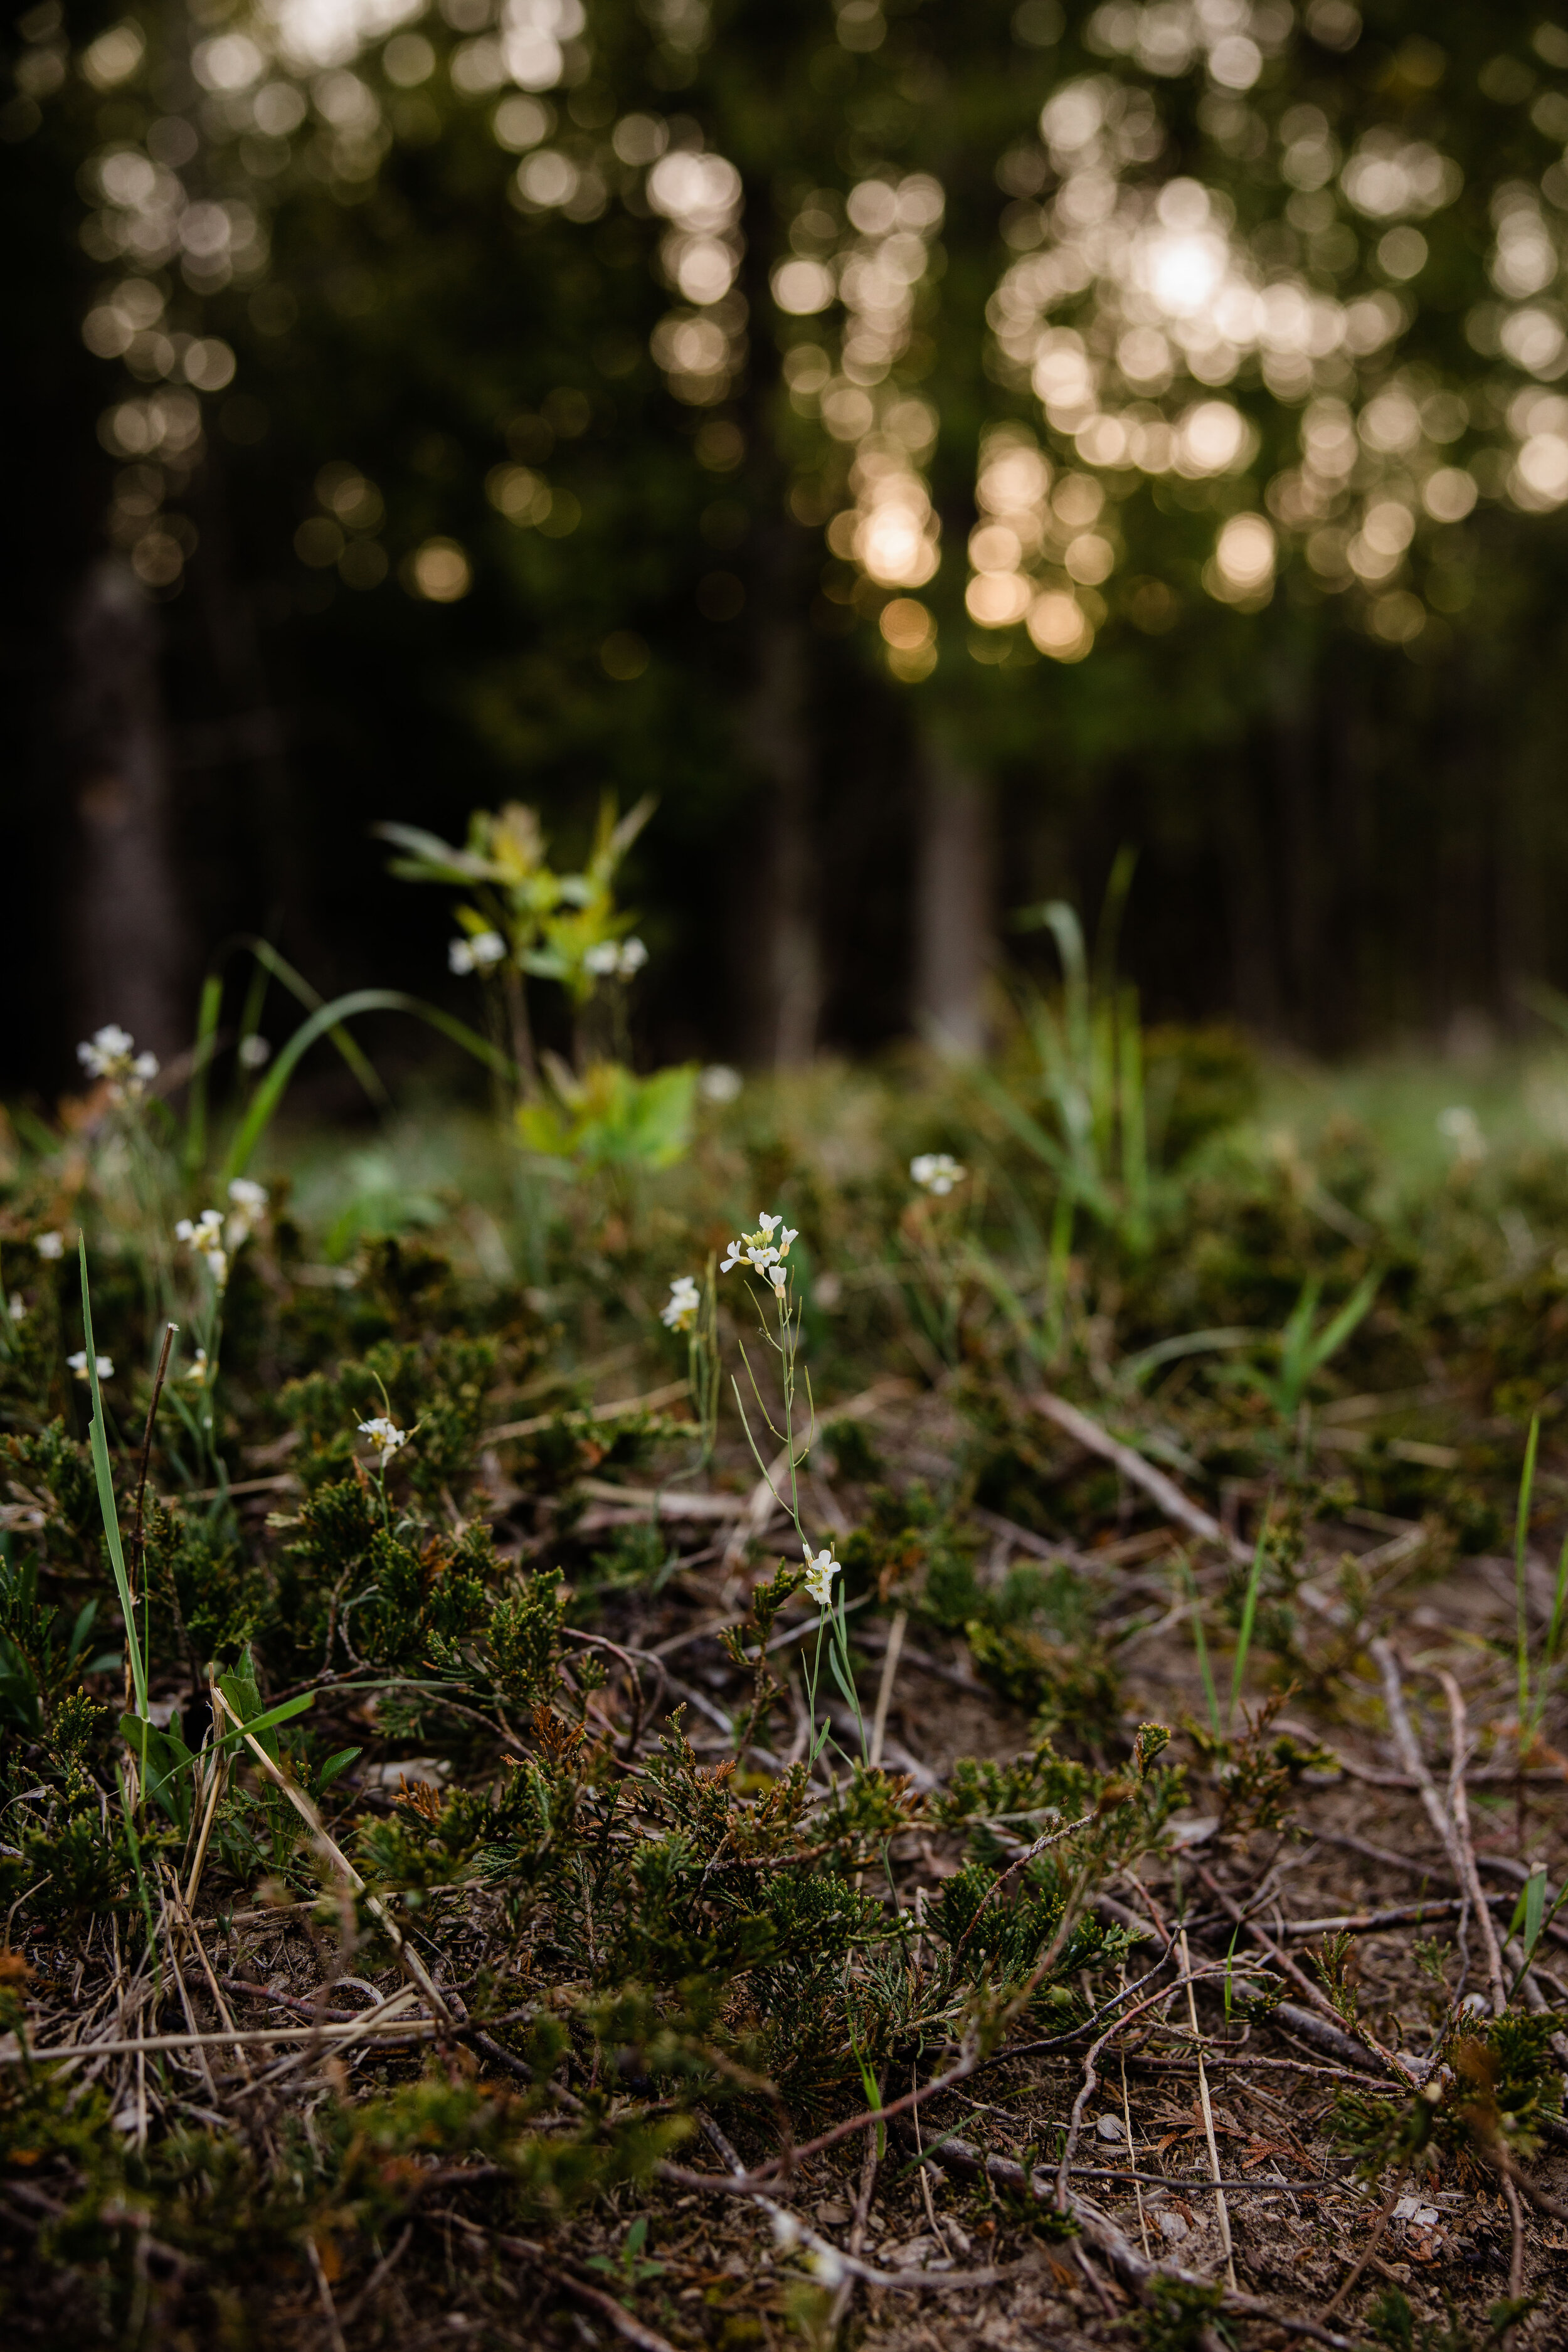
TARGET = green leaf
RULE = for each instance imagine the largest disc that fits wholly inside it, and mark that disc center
(336, 1764)
(1334, 1334)
(163, 1761)
(613, 1118)
(239, 1688)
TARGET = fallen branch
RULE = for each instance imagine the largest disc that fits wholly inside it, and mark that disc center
(1161, 1491)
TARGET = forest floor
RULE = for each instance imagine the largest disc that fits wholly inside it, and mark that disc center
(500, 1919)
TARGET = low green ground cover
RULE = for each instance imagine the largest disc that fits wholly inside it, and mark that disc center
(558, 1789)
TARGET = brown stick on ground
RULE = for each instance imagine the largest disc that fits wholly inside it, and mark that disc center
(1161, 1491)
(869, 2168)
(1462, 1844)
(1318, 1998)
(1222, 2212)
(409, 1958)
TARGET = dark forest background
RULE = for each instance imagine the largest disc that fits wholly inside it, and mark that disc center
(1340, 841)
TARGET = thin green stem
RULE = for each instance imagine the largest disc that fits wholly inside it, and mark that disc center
(1521, 1539)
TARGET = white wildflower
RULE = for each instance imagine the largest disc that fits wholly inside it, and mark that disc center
(1462, 1128)
(111, 1054)
(828, 2263)
(384, 1435)
(107, 1052)
(937, 1171)
(51, 1245)
(205, 1235)
(787, 2229)
(719, 1083)
(481, 951)
(678, 1312)
(779, 1276)
(77, 1364)
(255, 1051)
(17, 1307)
(249, 1205)
(820, 1571)
(614, 959)
(762, 1251)
(196, 1371)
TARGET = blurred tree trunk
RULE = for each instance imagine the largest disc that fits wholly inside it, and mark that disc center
(124, 928)
(792, 998)
(955, 921)
(254, 734)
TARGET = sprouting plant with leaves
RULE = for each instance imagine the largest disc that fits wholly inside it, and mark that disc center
(1084, 1117)
(1305, 1346)
(521, 918)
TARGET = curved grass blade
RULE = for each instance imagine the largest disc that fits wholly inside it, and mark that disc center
(207, 1012)
(353, 1052)
(263, 1109)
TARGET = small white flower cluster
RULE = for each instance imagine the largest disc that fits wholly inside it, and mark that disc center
(196, 1371)
(205, 1235)
(481, 951)
(616, 958)
(763, 1254)
(77, 1364)
(255, 1051)
(678, 1312)
(51, 1245)
(247, 1207)
(937, 1171)
(111, 1053)
(719, 1083)
(213, 1237)
(820, 1571)
(384, 1435)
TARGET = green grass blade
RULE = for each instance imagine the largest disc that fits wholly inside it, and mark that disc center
(207, 1012)
(1201, 1645)
(104, 1472)
(353, 1052)
(1294, 1341)
(1136, 1369)
(1248, 1616)
(1534, 1910)
(1338, 1329)
(1521, 1586)
(284, 1712)
(1130, 1104)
